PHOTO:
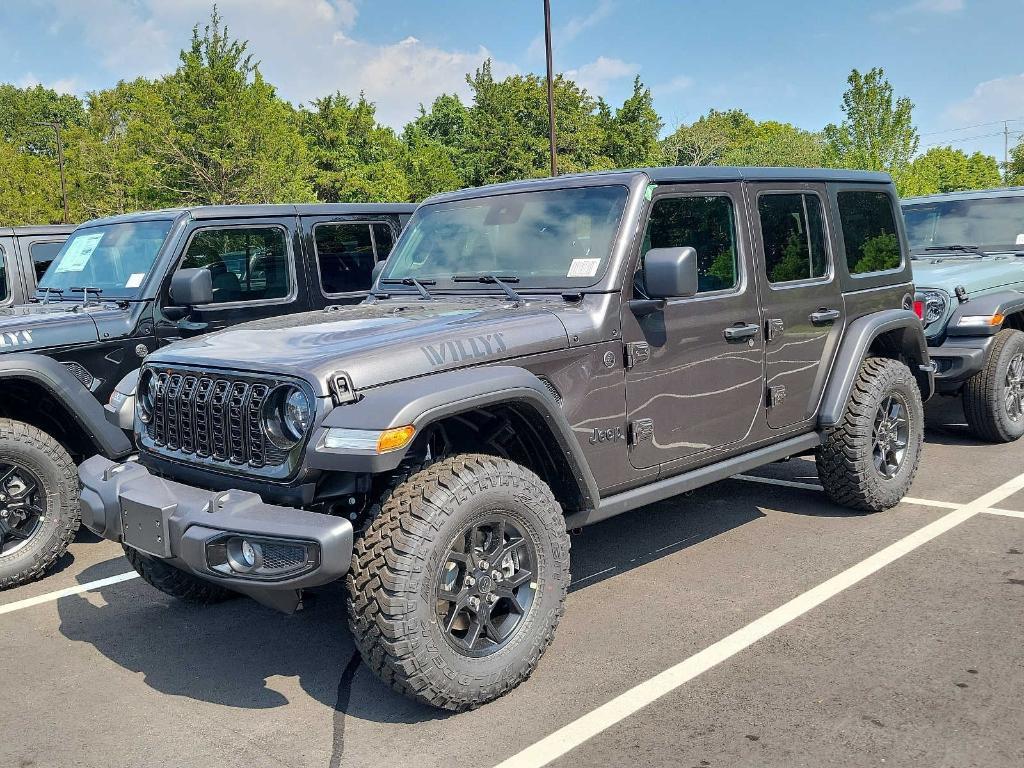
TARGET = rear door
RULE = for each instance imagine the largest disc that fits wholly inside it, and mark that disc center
(341, 255)
(800, 293)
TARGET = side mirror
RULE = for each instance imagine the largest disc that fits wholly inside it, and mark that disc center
(670, 273)
(377, 269)
(191, 287)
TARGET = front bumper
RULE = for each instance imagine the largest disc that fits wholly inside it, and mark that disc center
(957, 359)
(191, 528)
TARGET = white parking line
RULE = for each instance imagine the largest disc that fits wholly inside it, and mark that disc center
(816, 487)
(75, 590)
(1004, 512)
(622, 706)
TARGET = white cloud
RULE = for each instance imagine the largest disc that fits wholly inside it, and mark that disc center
(676, 84)
(307, 48)
(992, 100)
(596, 75)
(62, 85)
(920, 8)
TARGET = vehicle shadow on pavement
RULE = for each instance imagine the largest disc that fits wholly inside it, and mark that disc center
(945, 423)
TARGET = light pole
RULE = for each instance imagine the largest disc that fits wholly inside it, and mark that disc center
(60, 162)
(551, 88)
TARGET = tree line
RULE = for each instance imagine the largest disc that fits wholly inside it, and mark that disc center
(214, 131)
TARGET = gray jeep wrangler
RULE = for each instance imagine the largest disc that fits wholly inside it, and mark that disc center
(535, 357)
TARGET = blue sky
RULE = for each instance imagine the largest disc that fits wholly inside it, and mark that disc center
(958, 60)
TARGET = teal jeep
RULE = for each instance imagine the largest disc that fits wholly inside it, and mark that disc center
(968, 252)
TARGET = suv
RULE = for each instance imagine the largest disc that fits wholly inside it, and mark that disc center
(123, 286)
(968, 251)
(536, 356)
(25, 253)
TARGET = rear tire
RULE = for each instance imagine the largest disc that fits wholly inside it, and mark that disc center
(36, 526)
(486, 533)
(176, 582)
(868, 460)
(994, 397)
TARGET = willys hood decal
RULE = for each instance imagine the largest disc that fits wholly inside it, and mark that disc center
(377, 343)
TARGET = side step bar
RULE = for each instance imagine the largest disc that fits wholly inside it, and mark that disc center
(611, 506)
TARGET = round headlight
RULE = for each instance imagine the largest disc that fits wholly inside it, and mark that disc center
(145, 399)
(934, 305)
(287, 416)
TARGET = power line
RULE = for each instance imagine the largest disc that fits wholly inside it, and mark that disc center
(973, 138)
(976, 125)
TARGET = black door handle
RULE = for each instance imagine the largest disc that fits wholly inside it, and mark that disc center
(741, 331)
(823, 316)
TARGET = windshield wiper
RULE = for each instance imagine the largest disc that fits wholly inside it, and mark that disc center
(956, 247)
(46, 295)
(417, 284)
(86, 290)
(501, 282)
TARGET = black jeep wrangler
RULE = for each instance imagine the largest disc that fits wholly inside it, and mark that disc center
(25, 253)
(124, 286)
(536, 356)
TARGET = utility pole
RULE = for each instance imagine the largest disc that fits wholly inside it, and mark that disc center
(551, 87)
(60, 162)
(1006, 150)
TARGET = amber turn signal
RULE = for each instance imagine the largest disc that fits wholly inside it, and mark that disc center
(393, 439)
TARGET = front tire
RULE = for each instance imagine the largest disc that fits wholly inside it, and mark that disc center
(39, 512)
(994, 397)
(174, 581)
(457, 586)
(868, 460)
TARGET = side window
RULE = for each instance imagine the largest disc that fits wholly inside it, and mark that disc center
(5, 291)
(706, 224)
(42, 254)
(869, 232)
(248, 263)
(793, 233)
(383, 239)
(344, 254)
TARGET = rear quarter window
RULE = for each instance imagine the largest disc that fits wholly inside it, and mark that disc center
(869, 231)
(5, 290)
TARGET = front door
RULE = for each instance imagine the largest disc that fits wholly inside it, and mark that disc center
(800, 294)
(696, 367)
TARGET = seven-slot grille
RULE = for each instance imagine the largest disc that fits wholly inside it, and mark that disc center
(213, 417)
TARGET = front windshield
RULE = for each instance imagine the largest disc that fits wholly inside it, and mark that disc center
(554, 238)
(114, 258)
(990, 223)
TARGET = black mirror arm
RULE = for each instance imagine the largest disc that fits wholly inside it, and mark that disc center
(644, 307)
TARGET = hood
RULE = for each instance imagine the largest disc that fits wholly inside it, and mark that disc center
(38, 326)
(973, 273)
(377, 343)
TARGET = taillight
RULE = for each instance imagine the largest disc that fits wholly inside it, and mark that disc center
(919, 309)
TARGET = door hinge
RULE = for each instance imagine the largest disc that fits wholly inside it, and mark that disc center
(774, 327)
(637, 352)
(640, 431)
(776, 395)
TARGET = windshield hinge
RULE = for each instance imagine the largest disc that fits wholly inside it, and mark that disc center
(637, 352)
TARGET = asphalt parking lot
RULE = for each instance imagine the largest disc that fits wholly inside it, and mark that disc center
(747, 623)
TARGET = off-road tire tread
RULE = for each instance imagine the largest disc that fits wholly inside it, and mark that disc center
(67, 491)
(982, 387)
(384, 576)
(844, 471)
(175, 582)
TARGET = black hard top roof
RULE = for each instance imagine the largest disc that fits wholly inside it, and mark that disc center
(673, 175)
(37, 229)
(199, 212)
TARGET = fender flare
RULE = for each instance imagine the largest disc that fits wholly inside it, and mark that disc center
(907, 332)
(428, 399)
(79, 402)
(1002, 302)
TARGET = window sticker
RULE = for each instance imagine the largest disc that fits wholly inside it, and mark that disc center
(583, 267)
(135, 280)
(78, 253)
(1020, 240)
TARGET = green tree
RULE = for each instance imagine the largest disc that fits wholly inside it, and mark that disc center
(30, 190)
(945, 169)
(23, 109)
(877, 132)
(631, 134)
(222, 135)
(1015, 168)
(732, 137)
(354, 158)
